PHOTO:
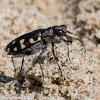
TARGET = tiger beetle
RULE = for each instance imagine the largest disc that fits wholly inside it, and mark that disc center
(39, 40)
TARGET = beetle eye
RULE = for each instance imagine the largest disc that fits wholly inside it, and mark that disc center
(60, 31)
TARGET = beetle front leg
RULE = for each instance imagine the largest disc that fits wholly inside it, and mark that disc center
(67, 49)
(56, 60)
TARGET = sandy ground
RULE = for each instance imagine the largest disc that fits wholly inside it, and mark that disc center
(81, 75)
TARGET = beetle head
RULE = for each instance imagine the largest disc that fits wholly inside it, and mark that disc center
(60, 30)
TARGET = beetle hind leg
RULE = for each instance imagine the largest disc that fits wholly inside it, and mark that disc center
(15, 67)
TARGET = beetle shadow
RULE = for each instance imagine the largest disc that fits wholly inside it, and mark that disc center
(5, 79)
(35, 83)
(28, 82)
(36, 61)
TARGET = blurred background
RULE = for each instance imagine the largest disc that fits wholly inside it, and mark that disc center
(18, 17)
(80, 16)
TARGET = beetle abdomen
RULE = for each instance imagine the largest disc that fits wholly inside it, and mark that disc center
(23, 42)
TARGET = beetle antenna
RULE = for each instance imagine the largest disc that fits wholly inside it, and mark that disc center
(83, 37)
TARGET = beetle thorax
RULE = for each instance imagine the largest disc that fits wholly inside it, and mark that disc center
(48, 35)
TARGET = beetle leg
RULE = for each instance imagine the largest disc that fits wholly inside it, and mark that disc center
(68, 52)
(14, 66)
(38, 58)
(67, 49)
(56, 59)
(21, 69)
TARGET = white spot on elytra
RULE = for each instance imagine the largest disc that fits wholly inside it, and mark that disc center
(39, 38)
(15, 49)
(8, 50)
(31, 40)
(13, 42)
(21, 43)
